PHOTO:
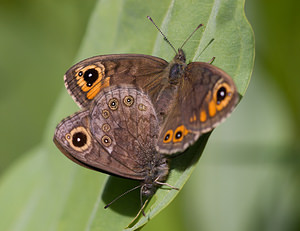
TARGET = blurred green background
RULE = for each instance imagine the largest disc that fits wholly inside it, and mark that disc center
(244, 182)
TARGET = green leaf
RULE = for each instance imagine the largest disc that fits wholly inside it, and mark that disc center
(55, 194)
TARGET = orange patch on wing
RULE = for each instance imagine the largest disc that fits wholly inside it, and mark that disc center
(182, 131)
(85, 88)
(81, 82)
(97, 88)
(212, 108)
(193, 118)
(203, 116)
(168, 136)
(80, 78)
(227, 99)
(223, 104)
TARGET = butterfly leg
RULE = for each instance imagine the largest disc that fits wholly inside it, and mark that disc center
(142, 204)
(138, 214)
(164, 183)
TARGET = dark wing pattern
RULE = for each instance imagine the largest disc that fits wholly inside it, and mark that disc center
(87, 78)
(206, 96)
(124, 122)
(74, 139)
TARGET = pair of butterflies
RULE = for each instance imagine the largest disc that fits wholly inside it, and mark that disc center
(138, 110)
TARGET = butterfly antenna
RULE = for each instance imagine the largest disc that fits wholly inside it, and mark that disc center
(165, 38)
(208, 44)
(118, 197)
(188, 38)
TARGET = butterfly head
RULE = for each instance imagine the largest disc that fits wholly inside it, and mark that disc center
(177, 67)
(180, 56)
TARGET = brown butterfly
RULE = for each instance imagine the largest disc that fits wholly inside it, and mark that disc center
(117, 135)
(189, 99)
(140, 109)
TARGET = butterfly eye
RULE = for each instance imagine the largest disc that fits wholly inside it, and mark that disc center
(168, 136)
(105, 113)
(222, 97)
(90, 79)
(142, 107)
(113, 104)
(105, 127)
(221, 94)
(128, 100)
(79, 139)
(90, 76)
(106, 140)
(179, 133)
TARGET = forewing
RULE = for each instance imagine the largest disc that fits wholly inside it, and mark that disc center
(87, 78)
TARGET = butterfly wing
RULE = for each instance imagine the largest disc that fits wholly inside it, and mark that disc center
(206, 96)
(212, 96)
(75, 140)
(174, 136)
(124, 122)
(87, 78)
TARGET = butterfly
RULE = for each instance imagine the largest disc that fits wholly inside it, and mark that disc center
(189, 99)
(117, 135)
(138, 110)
